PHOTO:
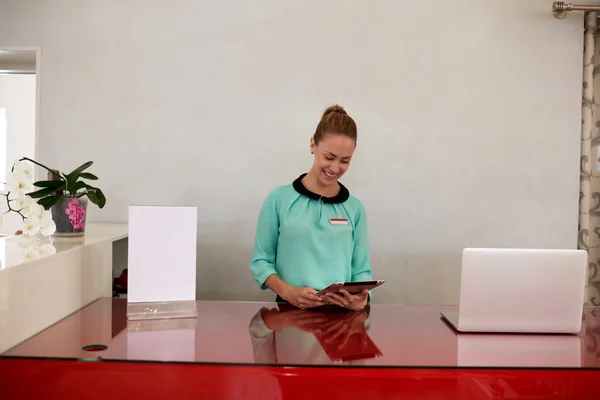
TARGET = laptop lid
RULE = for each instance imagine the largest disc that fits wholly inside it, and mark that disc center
(522, 290)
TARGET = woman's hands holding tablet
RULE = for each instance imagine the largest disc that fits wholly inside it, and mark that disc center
(303, 297)
(355, 302)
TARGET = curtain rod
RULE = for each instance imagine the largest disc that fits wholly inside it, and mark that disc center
(560, 8)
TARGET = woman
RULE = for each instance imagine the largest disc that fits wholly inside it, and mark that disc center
(312, 232)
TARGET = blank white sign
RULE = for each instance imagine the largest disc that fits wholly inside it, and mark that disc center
(162, 253)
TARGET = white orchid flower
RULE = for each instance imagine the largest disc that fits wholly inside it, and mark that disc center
(18, 184)
(31, 253)
(32, 225)
(47, 225)
(47, 250)
(20, 180)
(23, 202)
(34, 210)
(24, 168)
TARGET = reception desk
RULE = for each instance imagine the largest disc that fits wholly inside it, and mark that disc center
(248, 350)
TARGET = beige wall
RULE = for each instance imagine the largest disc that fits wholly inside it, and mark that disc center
(468, 114)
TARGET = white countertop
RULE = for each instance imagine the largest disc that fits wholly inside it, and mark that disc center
(13, 248)
(34, 294)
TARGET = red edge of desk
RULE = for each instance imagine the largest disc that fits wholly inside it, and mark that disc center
(37, 378)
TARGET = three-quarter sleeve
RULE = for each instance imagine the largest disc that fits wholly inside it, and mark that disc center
(265, 243)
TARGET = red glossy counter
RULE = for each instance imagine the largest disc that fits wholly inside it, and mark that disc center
(238, 350)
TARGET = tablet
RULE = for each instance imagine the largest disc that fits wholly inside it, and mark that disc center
(350, 287)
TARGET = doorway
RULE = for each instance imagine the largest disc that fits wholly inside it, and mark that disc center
(19, 106)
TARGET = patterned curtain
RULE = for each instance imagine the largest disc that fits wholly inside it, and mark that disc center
(589, 193)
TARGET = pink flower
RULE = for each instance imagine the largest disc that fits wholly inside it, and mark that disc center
(76, 214)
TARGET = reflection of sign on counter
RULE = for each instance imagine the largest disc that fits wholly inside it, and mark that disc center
(162, 339)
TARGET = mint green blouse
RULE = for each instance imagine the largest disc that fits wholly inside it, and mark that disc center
(309, 240)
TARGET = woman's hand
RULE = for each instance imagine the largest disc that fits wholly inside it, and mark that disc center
(355, 302)
(302, 297)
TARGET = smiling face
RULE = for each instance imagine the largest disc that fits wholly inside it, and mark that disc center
(332, 157)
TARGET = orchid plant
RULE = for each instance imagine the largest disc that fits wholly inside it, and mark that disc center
(33, 200)
(62, 186)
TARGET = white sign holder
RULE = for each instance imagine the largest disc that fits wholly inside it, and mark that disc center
(161, 280)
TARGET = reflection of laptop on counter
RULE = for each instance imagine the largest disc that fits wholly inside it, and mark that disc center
(520, 291)
(518, 350)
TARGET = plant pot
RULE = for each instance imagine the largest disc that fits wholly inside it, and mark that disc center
(70, 217)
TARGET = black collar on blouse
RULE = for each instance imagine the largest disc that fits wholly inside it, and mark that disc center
(341, 197)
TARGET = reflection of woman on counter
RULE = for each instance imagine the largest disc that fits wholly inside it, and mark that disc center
(289, 335)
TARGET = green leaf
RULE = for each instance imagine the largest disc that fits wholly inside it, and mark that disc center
(50, 184)
(79, 185)
(49, 201)
(101, 198)
(46, 200)
(87, 175)
(96, 196)
(92, 196)
(42, 193)
(74, 175)
(80, 169)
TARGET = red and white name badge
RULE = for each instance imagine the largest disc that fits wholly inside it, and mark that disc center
(338, 221)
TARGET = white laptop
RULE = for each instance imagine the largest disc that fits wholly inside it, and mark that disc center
(520, 291)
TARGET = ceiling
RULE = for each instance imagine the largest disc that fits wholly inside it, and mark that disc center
(17, 61)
